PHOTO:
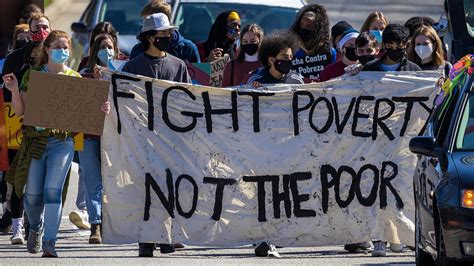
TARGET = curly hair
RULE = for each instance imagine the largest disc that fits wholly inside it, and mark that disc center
(143, 38)
(321, 41)
(395, 33)
(273, 44)
(364, 39)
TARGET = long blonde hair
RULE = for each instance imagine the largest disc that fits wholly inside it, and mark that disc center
(376, 15)
(54, 35)
(438, 52)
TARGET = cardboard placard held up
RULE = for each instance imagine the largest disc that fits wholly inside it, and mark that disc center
(66, 103)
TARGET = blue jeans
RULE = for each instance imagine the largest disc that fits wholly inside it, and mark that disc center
(90, 165)
(45, 185)
(81, 202)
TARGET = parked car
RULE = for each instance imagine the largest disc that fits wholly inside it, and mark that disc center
(444, 182)
(193, 17)
(460, 37)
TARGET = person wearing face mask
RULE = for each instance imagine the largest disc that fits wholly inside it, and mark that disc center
(13, 63)
(32, 53)
(315, 53)
(276, 56)
(180, 47)
(347, 47)
(156, 63)
(336, 34)
(20, 38)
(237, 71)
(375, 24)
(102, 51)
(40, 148)
(426, 50)
(102, 28)
(394, 41)
(366, 51)
(223, 37)
(39, 26)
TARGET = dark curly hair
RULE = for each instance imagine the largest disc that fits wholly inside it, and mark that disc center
(321, 41)
(274, 43)
(395, 33)
(143, 38)
(365, 38)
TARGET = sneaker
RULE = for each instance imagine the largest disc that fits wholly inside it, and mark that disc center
(379, 249)
(262, 250)
(6, 222)
(397, 248)
(49, 249)
(17, 236)
(80, 219)
(272, 252)
(96, 236)
(146, 249)
(167, 248)
(34, 241)
(363, 247)
(266, 250)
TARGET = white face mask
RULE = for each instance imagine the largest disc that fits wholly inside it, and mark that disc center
(424, 51)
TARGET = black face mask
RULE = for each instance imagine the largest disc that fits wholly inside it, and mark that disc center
(395, 54)
(364, 59)
(351, 53)
(162, 43)
(20, 44)
(283, 66)
(305, 34)
(250, 48)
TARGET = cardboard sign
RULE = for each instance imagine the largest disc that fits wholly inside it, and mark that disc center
(66, 103)
(208, 74)
(217, 71)
(13, 127)
(3, 137)
(15, 136)
(294, 165)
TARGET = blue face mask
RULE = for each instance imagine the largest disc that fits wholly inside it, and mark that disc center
(59, 56)
(377, 34)
(105, 55)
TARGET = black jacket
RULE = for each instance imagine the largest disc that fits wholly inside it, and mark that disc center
(405, 65)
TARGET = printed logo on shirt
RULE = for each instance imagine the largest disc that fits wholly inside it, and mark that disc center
(311, 66)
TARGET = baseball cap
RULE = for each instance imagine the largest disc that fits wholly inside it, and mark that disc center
(158, 21)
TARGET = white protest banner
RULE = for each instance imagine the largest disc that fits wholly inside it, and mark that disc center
(303, 165)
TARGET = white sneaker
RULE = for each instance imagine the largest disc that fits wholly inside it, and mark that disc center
(380, 249)
(18, 237)
(80, 219)
(397, 248)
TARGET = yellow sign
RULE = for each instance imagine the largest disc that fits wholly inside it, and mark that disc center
(14, 135)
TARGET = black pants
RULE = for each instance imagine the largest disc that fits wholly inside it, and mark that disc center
(16, 204)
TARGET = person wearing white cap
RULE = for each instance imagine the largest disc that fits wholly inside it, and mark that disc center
(155, 62)
(347, 47)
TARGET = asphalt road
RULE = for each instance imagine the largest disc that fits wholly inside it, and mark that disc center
(72, 245)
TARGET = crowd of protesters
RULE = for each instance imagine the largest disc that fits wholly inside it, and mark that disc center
(309, 51)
